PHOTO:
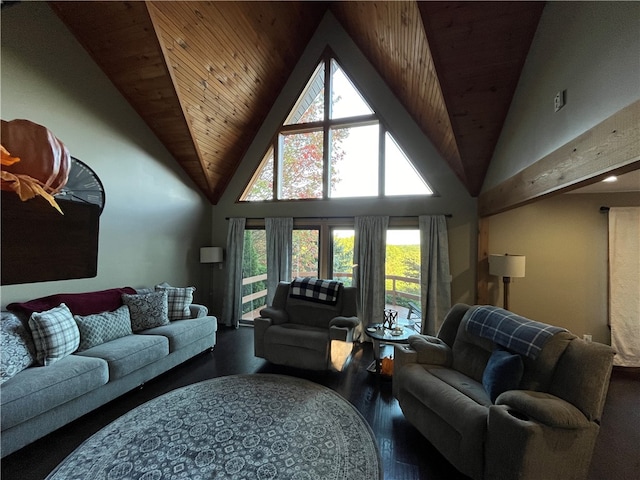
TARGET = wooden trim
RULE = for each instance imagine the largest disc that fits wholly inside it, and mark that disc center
(482, 295)
(611, 147)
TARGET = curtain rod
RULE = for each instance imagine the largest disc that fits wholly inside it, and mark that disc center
(448, 215)
(604, 209)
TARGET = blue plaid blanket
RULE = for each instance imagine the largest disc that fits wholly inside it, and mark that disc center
(512, 331)
(315, 290)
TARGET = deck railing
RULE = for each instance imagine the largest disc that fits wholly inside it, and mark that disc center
(393, 293)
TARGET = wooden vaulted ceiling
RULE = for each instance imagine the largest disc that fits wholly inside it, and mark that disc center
(204, 75)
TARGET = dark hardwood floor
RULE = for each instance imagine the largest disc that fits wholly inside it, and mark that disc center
(405, 453)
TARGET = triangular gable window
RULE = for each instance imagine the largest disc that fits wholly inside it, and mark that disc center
(400, 176)
(331, 146)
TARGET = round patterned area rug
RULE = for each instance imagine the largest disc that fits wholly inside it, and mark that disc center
(260, 427)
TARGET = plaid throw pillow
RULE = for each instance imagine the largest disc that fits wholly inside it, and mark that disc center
(55, 334)
(179, 300)
(102, 327)
(148, 310)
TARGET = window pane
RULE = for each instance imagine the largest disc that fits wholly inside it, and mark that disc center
(346, 101)
(254, 273)
(310, 105)
(301, 171)
(401, 178)
(305, 258)
(261, 186)
(353, 169)
(402, 276)
(342, 242)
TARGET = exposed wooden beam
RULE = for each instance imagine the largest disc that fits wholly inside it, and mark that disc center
(611, 147)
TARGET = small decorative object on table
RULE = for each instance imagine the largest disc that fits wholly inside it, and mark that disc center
(386, 367)
(390, 319)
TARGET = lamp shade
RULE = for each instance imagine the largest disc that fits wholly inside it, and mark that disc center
(506, 265)
(210, 254)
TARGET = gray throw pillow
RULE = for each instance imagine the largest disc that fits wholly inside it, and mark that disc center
(55, 334)
(102, 327)
(17, 350)
(147, 310)
(179, 300)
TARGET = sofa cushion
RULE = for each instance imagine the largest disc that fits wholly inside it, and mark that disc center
(185, 332)
(503, 372)
(39, 389)
(127, 354)
(79, 303)
(17, 350)
(296, 335)
(178, 300)
(102, 327)
(147, 310)
(55, 334)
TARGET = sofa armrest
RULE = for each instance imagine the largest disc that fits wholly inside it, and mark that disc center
(198, 311)
(277, 315)
(431, 350)
(544, 408)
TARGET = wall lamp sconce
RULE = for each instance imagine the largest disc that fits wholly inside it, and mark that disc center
(506, 266)
(211, 255)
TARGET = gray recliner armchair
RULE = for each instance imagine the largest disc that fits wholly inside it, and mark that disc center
(306, 332)
(504, 397)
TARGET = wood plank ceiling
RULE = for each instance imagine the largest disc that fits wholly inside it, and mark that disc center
(204, 75)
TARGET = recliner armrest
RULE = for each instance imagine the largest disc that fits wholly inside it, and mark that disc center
(343, 328)
(276, 315)
(431, 350)
(544, 408)
(349, 322)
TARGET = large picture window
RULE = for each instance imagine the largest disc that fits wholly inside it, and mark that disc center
(333, 145)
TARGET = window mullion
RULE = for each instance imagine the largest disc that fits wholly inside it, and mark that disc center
(381, 161)
(277, 168)
(325, 137)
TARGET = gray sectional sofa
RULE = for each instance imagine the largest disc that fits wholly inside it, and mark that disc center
(504, 397)
(37, 400)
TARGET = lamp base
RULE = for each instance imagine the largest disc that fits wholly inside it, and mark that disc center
(505, 301)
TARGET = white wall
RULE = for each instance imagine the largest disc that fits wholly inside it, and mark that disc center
(453, 197)
(154, 220)
(589, 49)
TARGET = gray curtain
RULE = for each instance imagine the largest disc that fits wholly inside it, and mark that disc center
(279, 246)
(369, 255)
(232, 309)
(435, 279)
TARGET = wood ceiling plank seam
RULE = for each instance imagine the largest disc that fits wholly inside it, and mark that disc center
(233, 100)
(153, 15)
(198, 39)
(182, 61)
(220, 96)
(242, 33)
(197, 110)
